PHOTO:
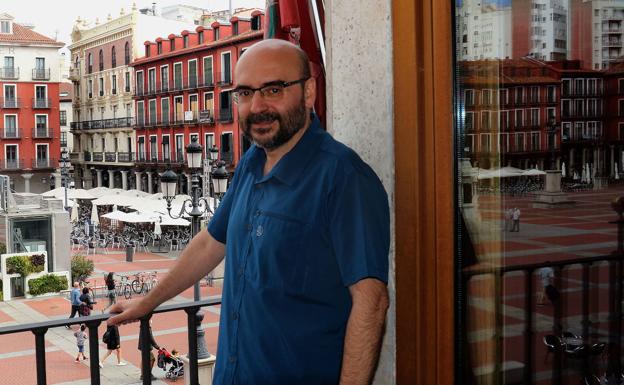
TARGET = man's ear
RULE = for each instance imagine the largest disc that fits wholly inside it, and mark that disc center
(309, 92)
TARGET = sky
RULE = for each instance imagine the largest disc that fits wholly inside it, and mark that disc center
(56, 18)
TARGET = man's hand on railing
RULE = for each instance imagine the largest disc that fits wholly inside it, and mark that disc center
(128, 311)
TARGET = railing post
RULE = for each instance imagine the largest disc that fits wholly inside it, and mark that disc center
(528, 327)
(191, 317)
(94, 352)
(146, 347)
(40, 354)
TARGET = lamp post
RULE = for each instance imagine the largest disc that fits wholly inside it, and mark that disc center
(552, 137)
(65, 174)
(197, 205)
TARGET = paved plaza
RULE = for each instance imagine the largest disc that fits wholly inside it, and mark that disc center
(557, 234)
(17, 353)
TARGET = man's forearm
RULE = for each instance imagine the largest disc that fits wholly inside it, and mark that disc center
(199, 257)
(364, 332)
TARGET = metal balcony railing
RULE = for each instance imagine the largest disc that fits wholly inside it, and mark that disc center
(224, 78)
(125, 157)
(44, 163)
(42, 132)
(11, 164)
(225, 116)
(40, 329)
(9, 72)
(11, 102)
(98, 156)
(41, 103)
(110, 157)
(102, 123)
(227, 157)
(10, 133)
(41, 74)
(171, 157)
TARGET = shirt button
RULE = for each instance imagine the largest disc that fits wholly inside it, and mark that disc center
(259, 231)
(232, 359)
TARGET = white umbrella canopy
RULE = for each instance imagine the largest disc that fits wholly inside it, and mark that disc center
(57, 193)
(94, 215)
(134, 193)
(133, 217)
(533, 172)
(505, 172)
(99, 191)
(79, 193)
(168, 221)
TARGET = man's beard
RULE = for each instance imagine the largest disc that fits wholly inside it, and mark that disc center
(288, 125)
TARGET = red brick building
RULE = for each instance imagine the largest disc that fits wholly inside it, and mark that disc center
(183, 90)
(29, 125)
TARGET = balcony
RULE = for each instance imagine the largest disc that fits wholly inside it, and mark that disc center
(206, 117)
(41, 74)
(39, 330)
(87, 156)
(98, 156)
(11, 164)
(225, 116)
(42, 133)
(10, 133)
(110, 157)
(74, 74)
(102, 123)
(75, 157)
(227, 157)
(41, 103)
(11, 102)
(225, 79)
(9, 73)
(44, 163)
(125, 157)
(165, 158)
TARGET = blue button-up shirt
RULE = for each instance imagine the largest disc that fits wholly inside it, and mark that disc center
(296, 239)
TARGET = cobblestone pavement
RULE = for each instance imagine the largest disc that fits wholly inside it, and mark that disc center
(17, 351)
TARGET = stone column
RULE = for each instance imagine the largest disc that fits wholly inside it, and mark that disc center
(99, 177)
(58, 179)
(111, 178)
(150, 188)
(571, 159)
(137, 180)
(87, 178)
(611, 162)
(124, 179)
(27, 178)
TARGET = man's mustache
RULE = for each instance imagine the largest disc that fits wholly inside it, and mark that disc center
(264, 117)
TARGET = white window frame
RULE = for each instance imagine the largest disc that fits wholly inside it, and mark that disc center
(489, 143)
(175, 146)
(188, 72)
(169, 109)
(166, 81)
(148, 79)
(150, 147)
(137, 75)
(204, 69)
(168, 156)
(180, 86)
(175, 98)
(222, 65)
(47, 146)
(142, 103)
(4, 121)
(206, 146)
(17, 152)
(149, 115)
(141, 146)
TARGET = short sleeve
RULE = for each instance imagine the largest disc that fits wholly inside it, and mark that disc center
(360, 225)
(219, 222)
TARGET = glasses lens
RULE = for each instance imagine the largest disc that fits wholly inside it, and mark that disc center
(272, 92)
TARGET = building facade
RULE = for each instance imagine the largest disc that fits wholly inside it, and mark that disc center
(103, 151)
(183, 91)
(66, 115)
(30, 133)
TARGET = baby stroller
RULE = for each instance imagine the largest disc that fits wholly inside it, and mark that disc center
(164, 359)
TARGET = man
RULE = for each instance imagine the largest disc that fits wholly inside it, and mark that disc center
(75, 301)
(515, 216)
(305, 226)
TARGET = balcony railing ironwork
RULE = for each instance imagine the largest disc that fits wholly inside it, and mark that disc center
(225, 78)
(102, 123)
(11, 164)
(225, 116)
(41, 74)
(39, 330)
(11, 102)
(110, 156)
(41, 103)
(38, 163)
(10, 133)
(42, 132)
(98, 156)
(125, 157)
(9, 72)
(173, 158)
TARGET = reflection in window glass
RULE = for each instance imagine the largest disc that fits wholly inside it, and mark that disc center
(540, 138)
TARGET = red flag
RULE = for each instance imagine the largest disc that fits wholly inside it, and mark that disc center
(294, 20)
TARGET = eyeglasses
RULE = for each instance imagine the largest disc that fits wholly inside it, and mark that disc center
(270, 91)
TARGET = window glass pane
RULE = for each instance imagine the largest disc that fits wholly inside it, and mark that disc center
(540, 129)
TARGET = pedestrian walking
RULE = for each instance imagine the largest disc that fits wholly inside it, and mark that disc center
(81, 337)
(508, 215)
(86, 302)
(75, 301)
(113, 344)
(515, 216)
(110, 287)
(546, 275)
(152, 345)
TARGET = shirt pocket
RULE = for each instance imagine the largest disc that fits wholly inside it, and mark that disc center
(278, 260)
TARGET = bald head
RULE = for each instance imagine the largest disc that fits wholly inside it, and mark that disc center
(280, 51)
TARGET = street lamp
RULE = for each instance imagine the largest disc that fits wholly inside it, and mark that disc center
(196, 206)
(65, 174)
(552, 138)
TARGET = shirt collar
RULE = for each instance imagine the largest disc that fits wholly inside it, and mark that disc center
(292, 164)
